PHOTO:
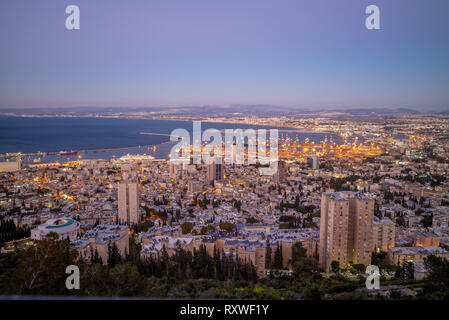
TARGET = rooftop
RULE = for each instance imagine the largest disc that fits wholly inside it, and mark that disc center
(419, 250)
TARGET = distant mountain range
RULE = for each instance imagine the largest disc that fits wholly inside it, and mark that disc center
(215, 111)
(380, 111)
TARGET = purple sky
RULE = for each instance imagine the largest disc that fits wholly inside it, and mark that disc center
(300, 53)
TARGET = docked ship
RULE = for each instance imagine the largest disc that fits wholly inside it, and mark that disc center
(135, 158)
(67, 153)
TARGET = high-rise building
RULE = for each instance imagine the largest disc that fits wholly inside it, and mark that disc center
(194, 186)
(129, 172)
(313, 162)
(281, 174)
(383, 234)
(214, 172)
(346, 229)
(128, 203)
(175, 169)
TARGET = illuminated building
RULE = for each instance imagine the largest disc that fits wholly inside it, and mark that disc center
(101, 239)
(398, 255)
(175, 169)
(128, 203)
(427, 239)
(346, 229)
(10, 166)
(194, 186)
(383, 234)
(280, 175)
(214, 172)
(64, 227)
(313, 162)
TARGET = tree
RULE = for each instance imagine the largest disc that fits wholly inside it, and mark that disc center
(143, 226)
(125, 281)
(314, 291)
(419, 211)
(133, 256)
(96, 258)
(277, 264)
(409, 270)
(95, 280)
(302, 265)
(41, 268)
(400, 221)
(436, 284)
(238, 205)
(9, 231)
(186, 227)
(228, 226)
(207, 229)
(298, 252)
(217, 263)
(379, 259)
(335, 266)
(114, 256)
(251, 220)
(268, 253)
(399, 273)
(427, 221)
(359, 268)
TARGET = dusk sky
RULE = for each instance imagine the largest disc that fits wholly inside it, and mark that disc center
(305, 54)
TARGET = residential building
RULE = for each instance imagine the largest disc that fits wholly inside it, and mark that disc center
(214, 172)
(346, 229)
(128, 203)
(398, 255)
(383, 234)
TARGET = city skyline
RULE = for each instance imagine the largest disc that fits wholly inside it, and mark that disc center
(220, 158)
(298, 54)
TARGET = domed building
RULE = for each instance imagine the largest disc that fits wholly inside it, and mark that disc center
(64, 227)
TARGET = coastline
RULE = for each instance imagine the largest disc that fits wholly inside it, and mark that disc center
(101, 151)
(160, 118)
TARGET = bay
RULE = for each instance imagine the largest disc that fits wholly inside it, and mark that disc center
(54, 134)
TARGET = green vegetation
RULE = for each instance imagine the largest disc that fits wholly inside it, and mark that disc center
(339, 184)
(436, 285)
(143, 226)
(186, 227)
(208, 228)
(335, 267)
(303, 266)
(251, 220)
(290, 222)
(40, 270)
(227, 226)
(9, 231)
